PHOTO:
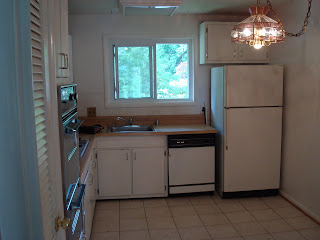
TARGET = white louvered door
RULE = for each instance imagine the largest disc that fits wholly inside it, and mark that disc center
(48, 188)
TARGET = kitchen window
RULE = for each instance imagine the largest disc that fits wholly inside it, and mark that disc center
(151, 71)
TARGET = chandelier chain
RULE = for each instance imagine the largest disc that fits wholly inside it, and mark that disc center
(305, 23)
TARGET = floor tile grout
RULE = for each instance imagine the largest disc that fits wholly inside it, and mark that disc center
(119, 221)
(194, 203)
(201, 219)
(174, 223)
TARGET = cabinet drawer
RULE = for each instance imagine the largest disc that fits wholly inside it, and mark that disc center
(131, 142)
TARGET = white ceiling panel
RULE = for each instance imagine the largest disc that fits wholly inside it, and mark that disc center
(187, 7)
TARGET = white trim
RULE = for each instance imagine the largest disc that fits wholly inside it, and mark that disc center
(52, 108)
(299, 205)
(108, 40)
(150, 103)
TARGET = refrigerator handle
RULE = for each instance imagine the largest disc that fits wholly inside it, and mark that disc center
(226, 129)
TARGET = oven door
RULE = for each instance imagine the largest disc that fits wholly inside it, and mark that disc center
(74, 211)
(73, 190)
(71, 162)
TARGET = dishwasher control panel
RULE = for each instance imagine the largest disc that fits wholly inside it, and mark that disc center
(191, 140)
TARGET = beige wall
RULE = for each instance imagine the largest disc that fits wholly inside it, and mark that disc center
(87, 32)
(300, 179)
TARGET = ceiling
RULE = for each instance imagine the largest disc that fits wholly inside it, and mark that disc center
(187, 7)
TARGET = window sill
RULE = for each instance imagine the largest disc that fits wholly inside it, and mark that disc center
(139, 104)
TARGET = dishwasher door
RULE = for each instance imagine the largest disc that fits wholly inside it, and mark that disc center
(191, 169)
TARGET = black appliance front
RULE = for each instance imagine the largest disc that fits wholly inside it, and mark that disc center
(67, 97)
(73, 191)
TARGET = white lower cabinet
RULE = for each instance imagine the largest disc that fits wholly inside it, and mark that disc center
(89, 177)
(115, 173)
(136, 169)
(148, 171)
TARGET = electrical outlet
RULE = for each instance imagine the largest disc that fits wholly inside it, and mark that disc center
(91, 112)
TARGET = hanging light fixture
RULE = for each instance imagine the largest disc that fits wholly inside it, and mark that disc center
(259, 30)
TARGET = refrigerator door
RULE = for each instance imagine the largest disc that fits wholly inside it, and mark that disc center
(253, 85)
(252, 152)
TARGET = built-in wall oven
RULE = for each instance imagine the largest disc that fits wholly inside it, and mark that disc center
(69, 138)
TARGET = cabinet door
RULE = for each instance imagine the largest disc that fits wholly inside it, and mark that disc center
(219, 45)
(90, 198)
(148, 171)
(87, 206)
(64, 37)
(114, 172)
(95, 179)
(57, 38)
(250, 54)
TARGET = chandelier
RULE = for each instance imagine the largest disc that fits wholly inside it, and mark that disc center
(259, 30)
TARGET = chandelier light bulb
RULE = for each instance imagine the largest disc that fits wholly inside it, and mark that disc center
(257, 46)
(247, 32)
(258, 30)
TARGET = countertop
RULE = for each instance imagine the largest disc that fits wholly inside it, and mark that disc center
(165, 130)
(159, 130)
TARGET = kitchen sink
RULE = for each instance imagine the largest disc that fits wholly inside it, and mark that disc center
(132, 128)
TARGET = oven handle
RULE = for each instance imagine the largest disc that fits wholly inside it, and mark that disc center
(77, 204)
(70, 194)
(76, 127)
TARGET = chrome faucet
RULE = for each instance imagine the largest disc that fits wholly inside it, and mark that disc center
(129, 122)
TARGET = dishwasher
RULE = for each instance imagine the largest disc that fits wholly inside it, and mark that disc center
(191, 163)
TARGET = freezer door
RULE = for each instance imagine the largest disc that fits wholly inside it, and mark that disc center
(252, 152)
(253, 85)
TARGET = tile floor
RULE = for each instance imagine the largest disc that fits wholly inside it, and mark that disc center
(201, 217)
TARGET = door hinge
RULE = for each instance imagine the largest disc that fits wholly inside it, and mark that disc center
(165, 153)
(96, 155)
(98, 190)
(206, 30)
(165, 188)
(226, 147)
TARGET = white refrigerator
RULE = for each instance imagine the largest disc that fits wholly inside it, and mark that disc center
(246, 109)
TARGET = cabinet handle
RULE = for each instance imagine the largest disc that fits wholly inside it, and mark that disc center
(134, 156)
(67, 57)
(127, 156)
(64, 61)
(241, 53)
(91, 179)
(63, 58)
(234, 53)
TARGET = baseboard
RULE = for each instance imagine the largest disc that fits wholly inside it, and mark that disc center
(302, 208)
(191, 189)
(248, 194)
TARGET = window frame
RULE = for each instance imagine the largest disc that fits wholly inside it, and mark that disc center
(109, 41)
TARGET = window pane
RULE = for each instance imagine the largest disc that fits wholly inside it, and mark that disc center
(134, 72)
(172, 71)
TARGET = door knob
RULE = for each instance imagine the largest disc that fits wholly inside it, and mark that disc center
(64, 223)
